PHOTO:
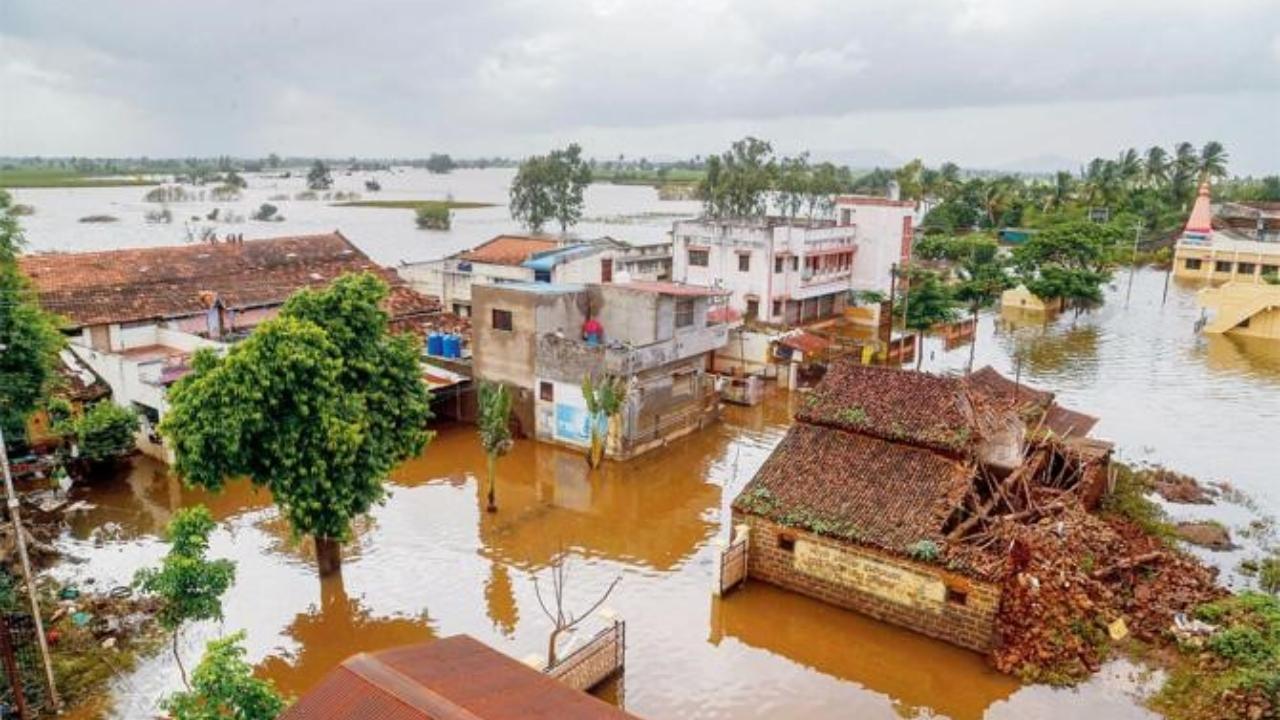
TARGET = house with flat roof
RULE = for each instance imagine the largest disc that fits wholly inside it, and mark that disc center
(1233, 242)
(528, 258)
(454, 678)
(543, 339)
(872, 499)
(135, 316)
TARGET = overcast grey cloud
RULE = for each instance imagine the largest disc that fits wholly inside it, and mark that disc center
(984, 82)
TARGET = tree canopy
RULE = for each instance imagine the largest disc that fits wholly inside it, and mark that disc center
(223, 687)
(29, 336)
(317, 405)
(550, 188)
(319, 177)
(440, 164)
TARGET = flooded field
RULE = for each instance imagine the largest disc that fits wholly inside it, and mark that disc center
(431, 563)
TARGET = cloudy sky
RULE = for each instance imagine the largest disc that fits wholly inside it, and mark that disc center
(988, 83)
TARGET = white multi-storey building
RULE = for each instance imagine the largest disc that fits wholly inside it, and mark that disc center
(787, 270)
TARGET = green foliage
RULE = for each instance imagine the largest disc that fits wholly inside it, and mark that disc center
(494, 418)
(318, 177)
(604, 401)
(267, 212)
(924, 551)
(440, 164)
(433, 217)
(550, 187)
(224, 688)
(189, 585)
(1069, 261)
(929, 302)
(738, 182)
(1269, 574)
(29, 337)
(1128, 499)
(104, 431)
(317, 405)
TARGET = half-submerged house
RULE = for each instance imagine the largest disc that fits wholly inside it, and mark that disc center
(542, 339)
(135, 316)
(874, 498)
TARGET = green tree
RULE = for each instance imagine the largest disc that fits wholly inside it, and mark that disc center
(440, 164)
(494, 425)
(982, 279)
(793, 185)
(223, 687)
(1213, 160)
(1069, 261)
(29, 337)
(1155, 168)
(317, 405)
(910, 179)
(929, 303)
(433, 217)
(189, 585)
(550, 187)
(318, 177)
(103, 432)
(737, 183)
(604, 401)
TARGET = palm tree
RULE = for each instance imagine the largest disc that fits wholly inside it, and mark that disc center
(1186, 162)
(1156, 167)
(1060, 193)
(494, 424)
(1213, 160)
(604, 401)
(1129, 168)
(948, 180)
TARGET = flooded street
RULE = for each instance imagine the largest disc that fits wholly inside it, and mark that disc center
(431, 563)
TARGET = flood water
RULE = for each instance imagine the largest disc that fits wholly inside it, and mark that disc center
(431, 563)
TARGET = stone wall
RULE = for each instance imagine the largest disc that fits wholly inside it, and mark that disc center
(925, 598)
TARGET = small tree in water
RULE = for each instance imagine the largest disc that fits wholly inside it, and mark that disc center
(929, 303)
(494, 424)
(189, 585)
(604, 401)
(317, 405)
(223, 686)
(563, 621)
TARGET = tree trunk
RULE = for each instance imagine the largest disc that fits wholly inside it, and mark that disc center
(328, 556)
(551, 648)
(178, 659)
(492, 464)
(973, 341)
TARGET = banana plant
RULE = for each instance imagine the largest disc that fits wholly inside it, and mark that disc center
(604, 402)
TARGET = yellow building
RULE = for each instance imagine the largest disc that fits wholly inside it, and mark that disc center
(1239, 245)
(1020, 298)
(1249, 309)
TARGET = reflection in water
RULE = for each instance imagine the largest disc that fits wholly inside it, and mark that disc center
(327, 635)
(916, 672)
(431, 550)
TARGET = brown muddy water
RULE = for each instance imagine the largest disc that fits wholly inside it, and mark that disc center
(431, 563)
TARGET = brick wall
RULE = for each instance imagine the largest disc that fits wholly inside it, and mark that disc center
(925, 598)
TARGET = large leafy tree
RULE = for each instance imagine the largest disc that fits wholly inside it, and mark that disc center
(1069, 261)
(223, 687)
(982, 279)
(319, 177)
(29, 337)
(494, 425)
(550, 188)
(317, 405)
(929, 303)
(189, 585)
(737, 183)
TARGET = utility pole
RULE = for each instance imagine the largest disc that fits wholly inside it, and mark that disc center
(27, 576)
(1133, 261)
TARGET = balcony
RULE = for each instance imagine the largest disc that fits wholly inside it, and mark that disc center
(570, 358)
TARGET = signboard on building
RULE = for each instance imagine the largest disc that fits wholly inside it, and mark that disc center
(883, 579)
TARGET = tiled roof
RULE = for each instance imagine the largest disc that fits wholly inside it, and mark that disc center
(454, 678)
(931, 411)
(508, 250)
(1001, 390)
(165, 282)
(856, 487)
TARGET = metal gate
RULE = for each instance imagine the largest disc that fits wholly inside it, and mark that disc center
(733, 563)
(23, 694)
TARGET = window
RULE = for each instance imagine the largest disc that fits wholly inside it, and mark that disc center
(753, 309)
(777, 264)
(1193, 263)
(698, 258)
(744, 263)
(606, 270)
(1270, 270)
(546, 391)
(502, 320)
(786, 543)
(956, 596)
(1222, 266)
(777, 308)
(684, 313)
(795, 263)
(1246, 268)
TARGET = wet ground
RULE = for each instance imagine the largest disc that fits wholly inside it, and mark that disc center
(431, 563)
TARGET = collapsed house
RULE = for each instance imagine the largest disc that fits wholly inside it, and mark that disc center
(886, 494)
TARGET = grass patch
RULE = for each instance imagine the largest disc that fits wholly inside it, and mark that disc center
(648, 177)
(1128, 499)
(46, 178)
(415, 205)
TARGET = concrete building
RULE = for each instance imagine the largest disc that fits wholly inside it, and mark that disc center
(135, 316)
(657, 336)
(1246, 309)
(790, 271)
(1235, 242)
(865, 503)
(521, 258)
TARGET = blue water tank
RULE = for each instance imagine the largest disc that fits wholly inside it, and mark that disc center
(452, 346)
(435, 344)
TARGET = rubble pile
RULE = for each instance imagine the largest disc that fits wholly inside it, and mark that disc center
(1078, 581)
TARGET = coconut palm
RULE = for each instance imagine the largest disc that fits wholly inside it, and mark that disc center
(494, 425)
(1213, 160)
(1060, 192)
(1129, 168)
(1156, 166)
(604, 402)
(1182, 178)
